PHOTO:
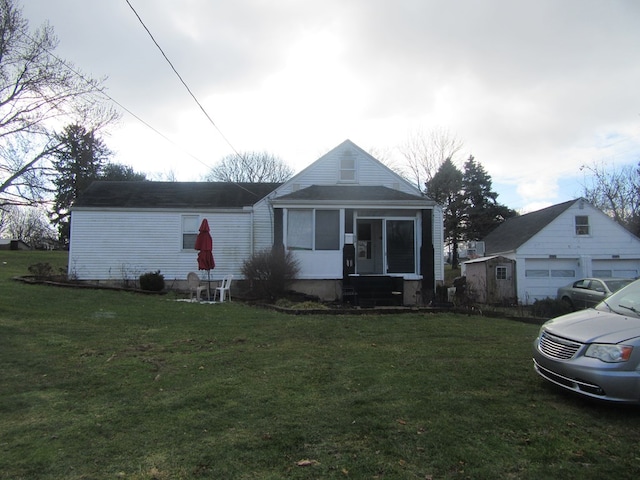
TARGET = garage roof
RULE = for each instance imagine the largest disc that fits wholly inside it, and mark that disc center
(518, 230)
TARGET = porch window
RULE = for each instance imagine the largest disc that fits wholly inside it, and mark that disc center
(190, 226)
(300, 229)
(309, 229)
(327, 230)
(582, 225)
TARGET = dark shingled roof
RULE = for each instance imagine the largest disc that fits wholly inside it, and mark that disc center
(350, 193)
(172, 194)
(517, 230)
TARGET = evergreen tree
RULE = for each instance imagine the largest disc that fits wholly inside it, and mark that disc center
(445, 187)
(481, 211)
(119, 172)
(79, 160)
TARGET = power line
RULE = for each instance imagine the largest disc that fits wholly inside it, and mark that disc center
(109, 97)
(182, 80)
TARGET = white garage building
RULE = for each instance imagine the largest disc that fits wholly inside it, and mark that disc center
(554, 246)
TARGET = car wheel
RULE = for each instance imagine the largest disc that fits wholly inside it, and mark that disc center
(567, 301)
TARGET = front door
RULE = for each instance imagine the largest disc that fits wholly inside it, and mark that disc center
(369, 249)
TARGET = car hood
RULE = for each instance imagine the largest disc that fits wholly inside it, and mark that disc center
(589, 326)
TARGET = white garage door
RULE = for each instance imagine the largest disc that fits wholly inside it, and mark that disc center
(543, 277)
(617, 268)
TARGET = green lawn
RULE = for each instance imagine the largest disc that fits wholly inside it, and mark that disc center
(101, 384)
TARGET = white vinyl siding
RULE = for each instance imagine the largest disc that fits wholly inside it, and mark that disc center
(121, 245)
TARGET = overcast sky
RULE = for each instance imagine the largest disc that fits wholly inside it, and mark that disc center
(534, 89)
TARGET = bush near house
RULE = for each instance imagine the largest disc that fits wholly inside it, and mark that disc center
(152, 281)
(269, 272)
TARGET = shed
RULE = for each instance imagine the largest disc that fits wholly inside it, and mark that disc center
(491, 280)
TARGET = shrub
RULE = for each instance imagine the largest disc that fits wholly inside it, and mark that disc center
(152, 281)
(549, 308)
(41, 271)
(270, 271)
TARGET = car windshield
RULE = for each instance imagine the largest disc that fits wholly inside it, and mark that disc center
(625, 301)
(615, 285)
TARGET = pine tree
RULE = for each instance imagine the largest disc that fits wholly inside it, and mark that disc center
(79, 160)
(481, 211)
(445, 187)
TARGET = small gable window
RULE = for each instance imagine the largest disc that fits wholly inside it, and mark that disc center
(582, 225)
(348, 167)
(190, 225)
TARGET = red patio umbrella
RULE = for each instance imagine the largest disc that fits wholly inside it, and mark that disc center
(204, 243)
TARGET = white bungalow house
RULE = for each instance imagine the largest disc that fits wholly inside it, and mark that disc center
(350, 221)
(555, 246)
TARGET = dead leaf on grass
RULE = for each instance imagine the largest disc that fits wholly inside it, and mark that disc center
(307, 463)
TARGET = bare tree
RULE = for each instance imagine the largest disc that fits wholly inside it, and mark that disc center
(253, 167)
(29, 225)
(37, 91)
(425, 151)
(615, 191)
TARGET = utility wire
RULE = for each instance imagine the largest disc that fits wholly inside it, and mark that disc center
(182, 80)
(89, 82)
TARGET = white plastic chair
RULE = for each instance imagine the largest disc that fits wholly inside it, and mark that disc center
(223, 289)
(193, 280)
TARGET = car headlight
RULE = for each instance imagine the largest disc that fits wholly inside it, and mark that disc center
(609, 353)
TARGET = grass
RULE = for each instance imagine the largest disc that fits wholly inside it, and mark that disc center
(101, 384)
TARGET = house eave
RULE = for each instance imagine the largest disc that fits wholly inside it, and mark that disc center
(164, 209)
(353, 204)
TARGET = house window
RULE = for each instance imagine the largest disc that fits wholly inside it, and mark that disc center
(327, 230)
(348, 168)
(501, 272)
(582, 225)
(300, 229)
(190, 225)
(309, 229)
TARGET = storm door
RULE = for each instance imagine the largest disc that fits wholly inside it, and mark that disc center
(401, 255)
(369, 250)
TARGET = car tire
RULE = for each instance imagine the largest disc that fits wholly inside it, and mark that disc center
(569, 303)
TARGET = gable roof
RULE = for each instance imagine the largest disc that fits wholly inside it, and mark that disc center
(349, 145)
(350, 193)
(517, 230)
(145, 194)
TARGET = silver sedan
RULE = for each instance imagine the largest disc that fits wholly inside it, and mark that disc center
(595, 352)
(588, 292)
